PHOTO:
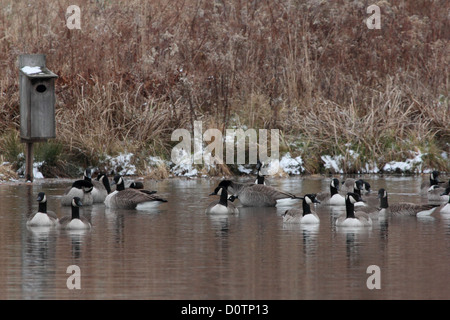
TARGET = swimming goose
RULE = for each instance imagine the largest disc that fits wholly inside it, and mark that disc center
(101, 188)
(255, 195)
(137, 185)
(445, 208)
(333, 197)
(306, 215)
(140, 186)
(42, 217)
(364, 185)
(75, 221)
(351, 218)
(81, 189)
(404, 208)
(259, 178)
(358, 185)
(437, 193)
(375, 211)
(425, 186)
(129, 198)
(222, 206)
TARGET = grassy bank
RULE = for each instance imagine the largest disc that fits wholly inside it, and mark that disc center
(138, 70)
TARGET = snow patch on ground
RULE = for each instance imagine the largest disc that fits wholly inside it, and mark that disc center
(122, 164)
(413, 165)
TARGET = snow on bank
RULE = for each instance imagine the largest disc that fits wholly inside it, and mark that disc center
(291, 166)
(122, 164)
(36, 173)
(186, 168)
(287, 165)
(413, 165)
(339, 163)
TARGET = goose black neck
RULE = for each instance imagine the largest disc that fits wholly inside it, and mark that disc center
(106, 184)
(120, 186)
(306, 207)
(260, 179)
(224, 197)
(333, 190)
(384, 202)
(43, 207)
(433, 182)
(350, 208)
(75, 212)
(357, 191)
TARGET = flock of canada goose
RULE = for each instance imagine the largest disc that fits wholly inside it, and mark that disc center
(86, 192)
(361, 206)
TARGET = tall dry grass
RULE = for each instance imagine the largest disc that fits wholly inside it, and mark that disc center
(139, 69)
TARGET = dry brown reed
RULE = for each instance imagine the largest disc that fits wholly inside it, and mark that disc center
(137, 70)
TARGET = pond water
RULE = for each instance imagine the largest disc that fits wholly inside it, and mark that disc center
(178, 252)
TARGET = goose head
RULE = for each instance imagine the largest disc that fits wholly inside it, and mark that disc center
(364, 185)
(225, 183)
(352, 198)
(87, 175)
(310, 198)
(76, 202)
(41, 198)
(335, 183)
(382, 193)
(119, 182)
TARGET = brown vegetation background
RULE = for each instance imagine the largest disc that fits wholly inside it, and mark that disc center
(137, 70)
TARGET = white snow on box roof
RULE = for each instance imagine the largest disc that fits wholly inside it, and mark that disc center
(31, 70)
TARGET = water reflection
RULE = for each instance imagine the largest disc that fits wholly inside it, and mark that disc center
(221, 223)
(38, 261)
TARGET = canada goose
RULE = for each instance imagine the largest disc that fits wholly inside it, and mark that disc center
(222, 206)
(42, 217)
(101, 188)
(437, 193)
(333, 197)
(81, 189)
(303, 216)
(433, 180)
(255, 195)
(364, 185)
(137, 185)
(259, 178)
(140, 186)
(75, 221)
(129, 198)
(357, 188)
(351, 218)
(363, 188)
(87, 174)
(375, 211)
(445, 208)
(404, 208)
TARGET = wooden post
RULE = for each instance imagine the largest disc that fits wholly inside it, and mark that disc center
(29, 162)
